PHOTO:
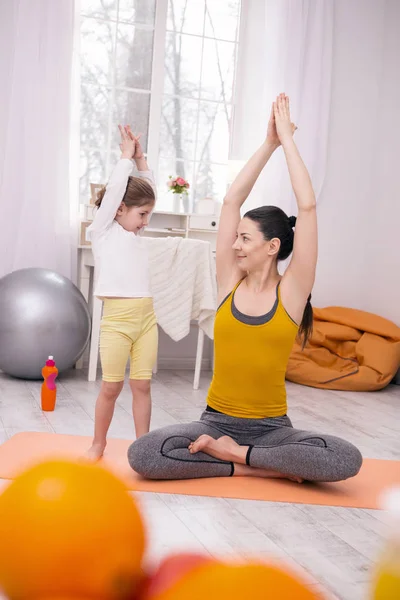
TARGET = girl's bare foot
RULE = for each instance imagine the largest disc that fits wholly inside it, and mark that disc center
(95, 452)
(224, 448)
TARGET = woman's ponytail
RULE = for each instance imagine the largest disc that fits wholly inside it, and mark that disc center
(306, 325)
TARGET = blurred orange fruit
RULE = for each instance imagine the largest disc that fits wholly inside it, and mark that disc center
(69, 529)
(214, 581)
(171, 569)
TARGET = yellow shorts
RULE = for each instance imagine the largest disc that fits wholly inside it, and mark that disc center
(128, 329)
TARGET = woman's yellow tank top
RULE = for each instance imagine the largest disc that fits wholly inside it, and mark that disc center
(251, 356)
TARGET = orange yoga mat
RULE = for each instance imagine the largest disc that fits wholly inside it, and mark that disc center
(362, 491)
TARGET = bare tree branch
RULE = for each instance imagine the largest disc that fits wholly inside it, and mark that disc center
(219, 66)
(169, 73)
(171, 133)
(207, 141)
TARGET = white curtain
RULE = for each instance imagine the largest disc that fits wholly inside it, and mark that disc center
(286, 46)
(36, 40)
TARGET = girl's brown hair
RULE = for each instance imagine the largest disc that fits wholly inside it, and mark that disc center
(138, 192)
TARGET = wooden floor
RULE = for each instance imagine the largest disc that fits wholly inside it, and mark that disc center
(335, 547)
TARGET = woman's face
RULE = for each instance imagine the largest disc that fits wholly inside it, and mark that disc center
(253, 251)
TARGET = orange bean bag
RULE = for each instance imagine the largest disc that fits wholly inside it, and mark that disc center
(348, 350)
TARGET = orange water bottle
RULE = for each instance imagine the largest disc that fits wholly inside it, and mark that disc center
(49, 389)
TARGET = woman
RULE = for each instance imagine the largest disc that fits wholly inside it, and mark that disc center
(245, 429)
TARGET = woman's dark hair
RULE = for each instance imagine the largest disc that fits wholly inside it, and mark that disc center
(138, 193)
(273, 222)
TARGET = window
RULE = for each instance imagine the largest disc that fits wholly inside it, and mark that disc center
(116, 49)
(200, 58)
(191, 108)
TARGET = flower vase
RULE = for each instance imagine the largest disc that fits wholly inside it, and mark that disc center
(181, 203)
(177, 203)
(185, 202)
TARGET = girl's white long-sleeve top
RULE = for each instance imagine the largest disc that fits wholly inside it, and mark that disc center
(121, 258)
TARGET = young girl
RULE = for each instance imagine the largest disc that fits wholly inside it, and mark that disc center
(128, 327)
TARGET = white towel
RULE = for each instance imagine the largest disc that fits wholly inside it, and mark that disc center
(183, 283)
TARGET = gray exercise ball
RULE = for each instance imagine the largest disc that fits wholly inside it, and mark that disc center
(42, 313)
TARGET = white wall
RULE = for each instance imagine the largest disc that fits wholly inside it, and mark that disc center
(359, 207)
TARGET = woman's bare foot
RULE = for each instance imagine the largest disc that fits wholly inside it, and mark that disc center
(247, 471)
(95, 452)
(224, 448)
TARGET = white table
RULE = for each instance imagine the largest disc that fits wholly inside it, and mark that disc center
(85, 284)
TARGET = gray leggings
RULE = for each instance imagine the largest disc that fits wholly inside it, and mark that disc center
(273, 444)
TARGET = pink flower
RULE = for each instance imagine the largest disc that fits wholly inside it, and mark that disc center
(180, 181)
(170, 183)
(187, 185)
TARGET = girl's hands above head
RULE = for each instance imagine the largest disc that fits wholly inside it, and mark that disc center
(280, 125)
(136, 138)
(127, 145)
(138, 155)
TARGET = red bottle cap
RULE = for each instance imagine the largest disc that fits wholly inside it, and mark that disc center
(50, 362)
